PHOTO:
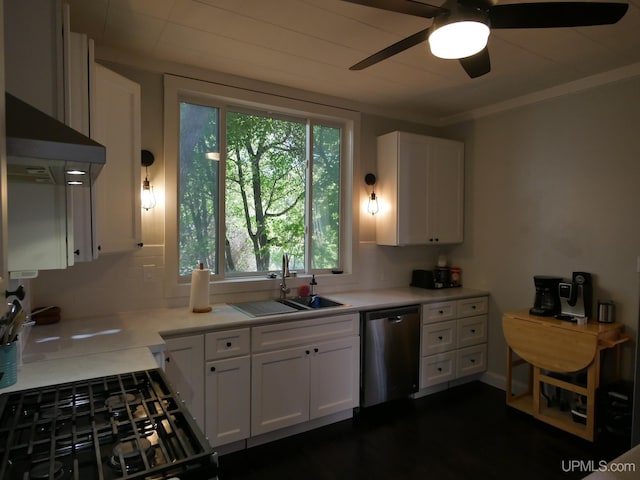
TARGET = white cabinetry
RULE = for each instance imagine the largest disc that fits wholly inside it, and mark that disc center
(454, 336)
(421, 190)
(303, 370)
(116, 118)
(39, 222)
(227, 386)
(79, 74)
(33, 56)
(184, 364)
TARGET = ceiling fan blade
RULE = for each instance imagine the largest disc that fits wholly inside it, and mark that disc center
(478, 64)
(480, 4)
(392, 50)
(410, 7)
(557, 14)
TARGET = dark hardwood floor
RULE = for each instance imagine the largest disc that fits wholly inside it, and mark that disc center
(466, 432)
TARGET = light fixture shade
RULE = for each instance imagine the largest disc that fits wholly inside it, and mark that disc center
(372, 204)
(148, 199)
(459, 39)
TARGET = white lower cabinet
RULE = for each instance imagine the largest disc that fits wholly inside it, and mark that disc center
(227, 385)
(280, 388)
(335, 374)
(454, 340)
(184, 368)
(227, 393)
(240, 383)
(306, 381)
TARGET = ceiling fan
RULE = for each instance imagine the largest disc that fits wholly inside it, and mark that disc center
(460, 28)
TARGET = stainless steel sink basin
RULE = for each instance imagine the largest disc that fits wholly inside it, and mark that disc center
(263, 308)
(309, 303)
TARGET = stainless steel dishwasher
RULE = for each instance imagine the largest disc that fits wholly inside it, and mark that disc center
(390, 354)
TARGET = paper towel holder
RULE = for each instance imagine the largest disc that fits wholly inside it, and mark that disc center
(199, 297)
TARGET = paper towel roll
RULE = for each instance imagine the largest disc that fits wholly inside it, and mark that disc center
(199, 299)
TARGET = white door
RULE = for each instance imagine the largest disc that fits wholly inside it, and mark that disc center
(280, 389)
(445, 184)
(228, 396)
(334, 374)
(116, 118)
(184, 366)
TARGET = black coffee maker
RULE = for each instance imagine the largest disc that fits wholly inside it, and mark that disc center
(547, 299)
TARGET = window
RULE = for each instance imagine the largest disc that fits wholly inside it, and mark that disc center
(257, 181)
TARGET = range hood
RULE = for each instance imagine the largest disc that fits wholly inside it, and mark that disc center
(41, 149)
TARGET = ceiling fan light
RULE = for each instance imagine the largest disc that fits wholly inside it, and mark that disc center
(458, 39)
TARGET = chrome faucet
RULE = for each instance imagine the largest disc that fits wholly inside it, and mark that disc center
(284, 290)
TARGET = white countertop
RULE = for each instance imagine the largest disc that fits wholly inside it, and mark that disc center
(85, 348)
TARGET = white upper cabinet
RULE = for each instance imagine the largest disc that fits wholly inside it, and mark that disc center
(33, 54)
(420, 187)
(116, 125)
(79, 68)
(39, 221)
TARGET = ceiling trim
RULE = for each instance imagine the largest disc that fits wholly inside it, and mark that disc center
(576, 86)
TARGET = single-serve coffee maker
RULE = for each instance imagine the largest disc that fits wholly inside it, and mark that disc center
(547, 300)
(576, 297)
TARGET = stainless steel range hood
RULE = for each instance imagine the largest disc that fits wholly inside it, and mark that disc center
(41, 149)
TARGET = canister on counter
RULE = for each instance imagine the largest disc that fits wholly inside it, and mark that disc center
(606, 312)
(456, 276)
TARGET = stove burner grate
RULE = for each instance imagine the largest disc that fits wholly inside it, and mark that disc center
(47, 471)
(132, 456)
(127, 426)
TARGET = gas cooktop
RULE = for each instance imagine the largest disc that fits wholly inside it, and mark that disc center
(128, 426)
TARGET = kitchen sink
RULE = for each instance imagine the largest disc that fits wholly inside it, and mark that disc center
(310, 303)
(263, 308)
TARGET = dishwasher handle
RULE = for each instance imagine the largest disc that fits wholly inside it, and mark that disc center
(391, 313)
(396, 319)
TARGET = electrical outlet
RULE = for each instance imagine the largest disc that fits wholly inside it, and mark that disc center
(147, 272)
(638, 264)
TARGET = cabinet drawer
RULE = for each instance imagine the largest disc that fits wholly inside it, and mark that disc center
(436, 312)
(287, 334)
(226, 343)
(471, 360)
(437, 369)
(472, 330)
(473, 306)
(439, 337)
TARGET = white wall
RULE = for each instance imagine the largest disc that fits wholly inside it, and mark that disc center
(552, 188)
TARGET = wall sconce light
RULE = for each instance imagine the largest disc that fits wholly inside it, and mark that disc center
(372, 204)
(148, 199)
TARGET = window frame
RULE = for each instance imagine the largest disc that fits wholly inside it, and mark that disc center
(226, 98)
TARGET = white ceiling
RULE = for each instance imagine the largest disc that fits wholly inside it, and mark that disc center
(310, 45)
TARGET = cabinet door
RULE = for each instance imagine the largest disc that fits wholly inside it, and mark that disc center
(413, 168)
(439, 337)
(116, 117)
(471, 360)
(280, 389)
(184, 365)
(228, 396)
(41, 242)
(445, 190)
(472, 330)
(334, 376)
(33, 55)
(437, 369)
(79, 76)
(421, 182)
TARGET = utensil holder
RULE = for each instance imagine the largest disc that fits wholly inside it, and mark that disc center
(8, 364)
